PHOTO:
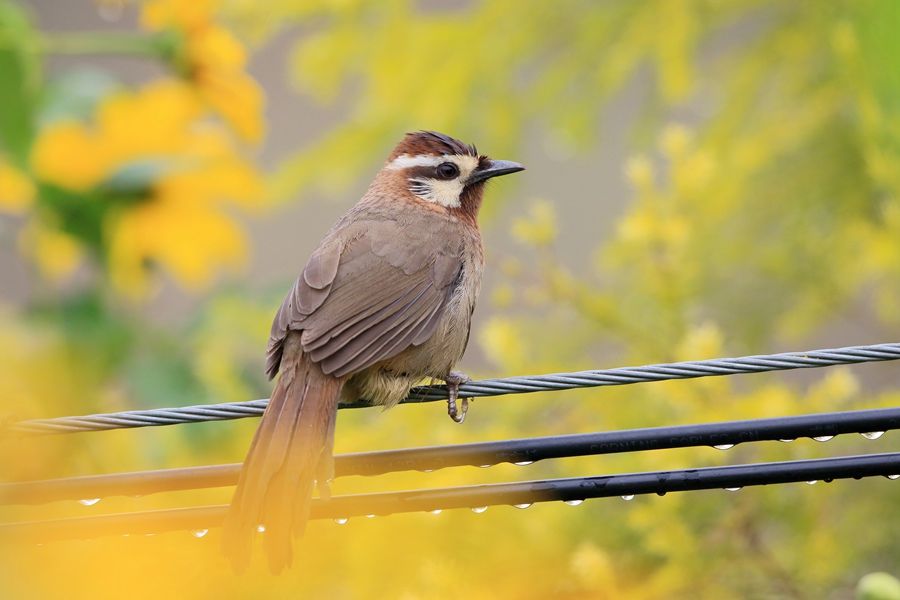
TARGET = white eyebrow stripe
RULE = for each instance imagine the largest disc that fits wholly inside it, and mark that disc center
(404, 161)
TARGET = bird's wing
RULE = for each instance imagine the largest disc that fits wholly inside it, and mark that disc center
(369, 292)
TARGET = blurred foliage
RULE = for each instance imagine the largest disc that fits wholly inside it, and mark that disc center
(878, 586)
(756, 224)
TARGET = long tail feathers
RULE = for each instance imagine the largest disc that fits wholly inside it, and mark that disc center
(292, 448)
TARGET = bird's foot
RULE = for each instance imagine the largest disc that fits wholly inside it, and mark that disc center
(453, 381)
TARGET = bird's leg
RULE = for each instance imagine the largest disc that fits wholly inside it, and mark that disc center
(453, 381)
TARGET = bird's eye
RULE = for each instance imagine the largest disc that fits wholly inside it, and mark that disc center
(447, 170)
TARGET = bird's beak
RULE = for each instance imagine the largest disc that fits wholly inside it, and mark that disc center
(494, 169)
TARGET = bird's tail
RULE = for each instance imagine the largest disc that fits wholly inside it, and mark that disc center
(291, 450)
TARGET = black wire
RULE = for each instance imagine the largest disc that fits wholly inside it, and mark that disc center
(521, 494)
(822, 425)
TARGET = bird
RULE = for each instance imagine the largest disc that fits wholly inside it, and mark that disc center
(384, 302)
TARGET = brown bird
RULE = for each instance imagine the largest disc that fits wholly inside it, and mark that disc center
(385, 301)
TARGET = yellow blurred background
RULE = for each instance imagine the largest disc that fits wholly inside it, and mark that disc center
(705, 178)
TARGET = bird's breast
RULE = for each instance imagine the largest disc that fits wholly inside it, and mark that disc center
(389, 381)
(438, 355)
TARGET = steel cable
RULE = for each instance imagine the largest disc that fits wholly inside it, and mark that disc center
(486, 387)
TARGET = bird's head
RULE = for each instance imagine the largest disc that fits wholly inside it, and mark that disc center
(438, 169)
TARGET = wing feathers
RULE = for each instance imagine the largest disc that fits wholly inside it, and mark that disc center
(351, 346)
(323, 265)
(427, 329)
(367, 299)
(391, 343)
(342, 332)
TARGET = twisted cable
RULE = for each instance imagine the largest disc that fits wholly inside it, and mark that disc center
(488, 387)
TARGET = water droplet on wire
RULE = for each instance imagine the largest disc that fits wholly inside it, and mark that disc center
(438, 511)
(733, 489)
(523, 506)
(787, 440)
(628, 497)
(823, 438)
(260, 529)
(370, 516)
(479, 509)
(812, 482)
(341, 520)
(893, 477)
(573, 502)
(872, 435)
(199, 533)
(523, 463)
(89, 501)
(723, 446)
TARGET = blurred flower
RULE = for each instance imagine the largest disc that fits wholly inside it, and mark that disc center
(159, 180)
(16, 190)
(693, 172)
(844, 39)
(878, 586)
(700, 342)
(592, 567)
(68, 155)
(155, 122)
(639, 172)
(647, 225)
(181, 233)
(157, 14)
(213, 60)
(503, 343)
(503, 296)
(538, 227)
(55, 253)
(674, 140)
(837, 386)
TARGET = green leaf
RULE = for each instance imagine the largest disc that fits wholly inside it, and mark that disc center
(100, 337)
(78, 214)
(134, 179)
(20, 74)
(75, 95)
(880, 46)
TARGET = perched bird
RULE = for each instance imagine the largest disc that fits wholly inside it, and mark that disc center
(385, 301)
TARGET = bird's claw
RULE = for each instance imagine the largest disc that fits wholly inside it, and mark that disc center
(457, 415)
(453, 381)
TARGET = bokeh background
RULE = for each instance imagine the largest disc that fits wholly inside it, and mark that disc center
(706, 178)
